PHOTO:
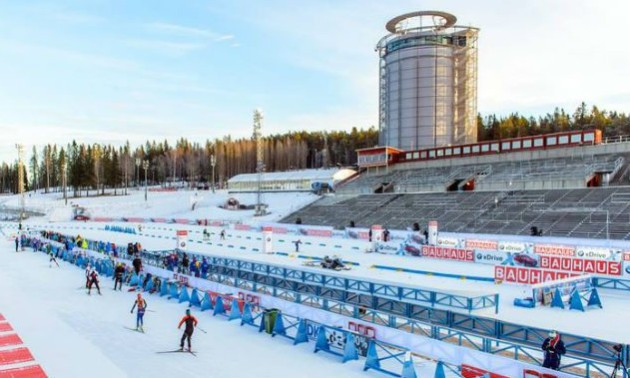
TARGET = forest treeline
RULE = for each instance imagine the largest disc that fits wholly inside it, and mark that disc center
(99, 166)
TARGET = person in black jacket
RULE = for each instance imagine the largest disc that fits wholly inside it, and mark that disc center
(118, 276)
(185, 264)
(554, 348)
(137, 264)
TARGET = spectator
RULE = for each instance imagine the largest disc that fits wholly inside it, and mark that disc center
(554, 348)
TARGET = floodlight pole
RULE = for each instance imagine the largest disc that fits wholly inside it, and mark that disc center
(145, 165)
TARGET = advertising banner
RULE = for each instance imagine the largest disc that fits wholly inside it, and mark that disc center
(626, 264)
(484, 245)
(598, 253)
(433, 232)
(446, 253)
(267, 240)
(490, 257)
(181, 236)
(448, 242)
(319, 231)
(527, 276)
(358, 233)
(242, 227)
(554, 250)
(579, 265)
(515, 246)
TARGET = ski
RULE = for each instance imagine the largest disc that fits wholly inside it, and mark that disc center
(134, 329)
(178, 351)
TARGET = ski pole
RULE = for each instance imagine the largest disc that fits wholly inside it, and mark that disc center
(201, 330)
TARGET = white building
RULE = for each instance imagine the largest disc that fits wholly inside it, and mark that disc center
(299, 180)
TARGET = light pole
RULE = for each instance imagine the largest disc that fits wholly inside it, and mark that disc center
(65, 181)
(145, 165)
(138, 162)
(20, 188)
(213, 163)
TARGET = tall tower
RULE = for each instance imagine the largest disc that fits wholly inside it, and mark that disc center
(427, 81)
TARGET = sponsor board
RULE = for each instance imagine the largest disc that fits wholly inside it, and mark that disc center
(579, 265)
(626, 256)
(514, 247)
(389, 248)
(554, 250)
(448, 242)
(446, 253)
(486, 245)
(527, 276)
(319, 232)
(242, 227)
(626, 269)
(489, 257)
(474, 372)
(597, 253)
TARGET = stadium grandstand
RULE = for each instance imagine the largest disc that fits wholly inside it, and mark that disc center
(569, 184)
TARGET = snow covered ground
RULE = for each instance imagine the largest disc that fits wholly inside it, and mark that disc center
(616, 303)
(162, 204)
(75, 335)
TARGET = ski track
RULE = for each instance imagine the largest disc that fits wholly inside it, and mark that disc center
(72, 334)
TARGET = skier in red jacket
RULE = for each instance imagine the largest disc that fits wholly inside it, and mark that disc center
(191, 323)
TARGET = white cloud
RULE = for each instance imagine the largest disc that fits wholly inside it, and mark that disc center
(187, 31)
(165, 47)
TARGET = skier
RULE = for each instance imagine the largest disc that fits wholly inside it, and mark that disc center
(297, 245)
(191, 323)
(222, 234)
(17, 243)
(206, 235)
(118, 276)
(554, 349)
(337, 263)
(88, 270)
(142, 307)
(93, 280)
(327, 262)
(52, 260)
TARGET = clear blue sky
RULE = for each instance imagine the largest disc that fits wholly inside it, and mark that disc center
(110, 71)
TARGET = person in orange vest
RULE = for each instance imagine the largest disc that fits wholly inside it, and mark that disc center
(191, 323)
(142, 307)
